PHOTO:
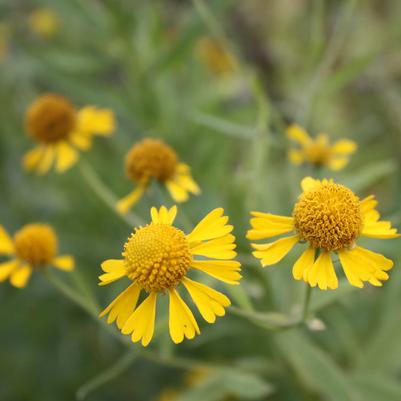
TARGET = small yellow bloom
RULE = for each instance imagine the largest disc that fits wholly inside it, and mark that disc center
(153, 159)
(157, 259)
(44, 22)
(215, 57)
(33, 248)
(330, 218)
(319, 152)
(60, 131)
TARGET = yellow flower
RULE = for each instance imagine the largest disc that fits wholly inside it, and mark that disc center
(329, 217)
(157, 258)
(215, 57)
(43, 22)
(60, 131)
(319, 152)
(33, 248)
(153, 159)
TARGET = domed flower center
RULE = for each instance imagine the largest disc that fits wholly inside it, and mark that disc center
(317, 153)
(151, 158)
(157, 257)
(36, 244)
(50, 118)
(328, 217)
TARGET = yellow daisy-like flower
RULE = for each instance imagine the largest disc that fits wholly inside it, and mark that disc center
(215, 57)
(330, 218)
(319, 152)
(44, 22)
(60, 131)
(33, 248)
(153, 159)
(157, 258)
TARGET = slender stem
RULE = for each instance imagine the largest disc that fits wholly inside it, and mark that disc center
(105, 195)
(305, 310)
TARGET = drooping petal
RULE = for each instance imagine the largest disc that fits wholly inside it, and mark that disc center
(177, 192)
(272, 253)
(322, 273)
(19, 277)
(47, 159)
(305, 261)
(122, 306)
(213, 225)
(185, 179)
(266, 225)
(95, 121)
(126, 203)
(210, 302)
(378, 229)
(219, 248)
(66, 156)
(298, 134)
(65, 262)
(142, 322)
(182, 323)
(223, 270)
(32, 158)
(81, 140)
(309, 184)
(114, 268)
(6, 268)
(344, 147)
(6, 243)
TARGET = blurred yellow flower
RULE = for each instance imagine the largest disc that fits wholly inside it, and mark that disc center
(34, 247)
(212, 54)
(153, 159)
(319, 152)
(157, 258)
(329, 217)
(44, 22)
(60, 131)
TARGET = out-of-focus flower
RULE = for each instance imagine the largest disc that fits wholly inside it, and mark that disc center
(157, 259)
(153, 159)
(330, 218)
(33, 248)
(319, 152)
(215, 57)
(44, 22)
(60, 131)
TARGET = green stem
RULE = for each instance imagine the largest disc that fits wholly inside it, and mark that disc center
(305, 310)
(105, 195)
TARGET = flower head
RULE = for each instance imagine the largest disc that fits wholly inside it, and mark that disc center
(330, 218)
(60, 130)
(33, 248)
(44, 22)
(157, 259)
(319, 152)
(153, 159)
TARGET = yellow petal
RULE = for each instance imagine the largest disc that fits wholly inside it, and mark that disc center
(213, 225)
(272, 253)
(6, 268)
(305, 261)
(123, 306)
(223, 270)
(182, 323)
(81, 140)
(6, 243)
(47, 159)
(298, 134)
(20, 277)
(379, 229)
(185, 180)
(309, 184)
(142, 322)
(163, 215)
(337, 164)
(177, 192)
(65, 262)
(114, 268)
(210, 302)
(126, 203)
(32, 158)
(219, 248)
(344, 147)
(296, 156)
(269, 225)
(66, 156)
(95, 121)
(322, 273)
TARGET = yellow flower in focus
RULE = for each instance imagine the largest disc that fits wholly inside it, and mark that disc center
(60, 131)
(44, 22)
(319, 152)
(157, 259)
(330, 218)
(153, 159)
(212, 54)
(33, 248)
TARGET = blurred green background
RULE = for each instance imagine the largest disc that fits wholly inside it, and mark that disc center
(332, 66)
